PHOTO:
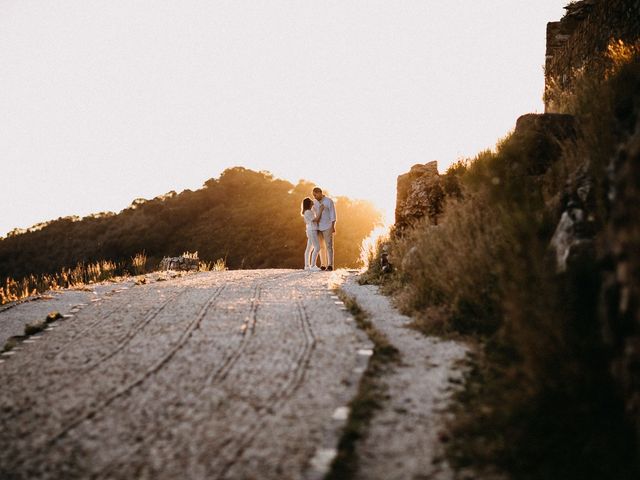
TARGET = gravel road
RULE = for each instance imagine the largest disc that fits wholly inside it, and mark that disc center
(214, 375)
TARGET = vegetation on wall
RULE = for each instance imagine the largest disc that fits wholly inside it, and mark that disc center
(539, 400)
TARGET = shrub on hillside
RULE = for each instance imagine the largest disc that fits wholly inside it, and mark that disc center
(539, 401)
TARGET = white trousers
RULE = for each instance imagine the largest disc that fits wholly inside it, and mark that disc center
(313, 249)
(326, 247)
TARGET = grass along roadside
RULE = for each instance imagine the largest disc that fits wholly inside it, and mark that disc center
(372, 393)
(81, 275)
(84, 274)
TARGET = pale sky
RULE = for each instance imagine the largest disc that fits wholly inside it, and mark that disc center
(105, 101)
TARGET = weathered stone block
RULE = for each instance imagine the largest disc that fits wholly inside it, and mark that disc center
(540, 138)
(419, 194)
(180, 263)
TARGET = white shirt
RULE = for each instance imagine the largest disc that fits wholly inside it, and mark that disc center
(328, 214)
(309, 217)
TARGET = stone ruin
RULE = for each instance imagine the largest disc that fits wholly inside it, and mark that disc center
(180, 263)
(578, 42)
(420, 194)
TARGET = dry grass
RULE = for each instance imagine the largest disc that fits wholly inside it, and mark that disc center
(14, 290)
(455, 264)
(31, 328)
(538, 401)
(12, 343)
(139, 263)
(218, 266)
(620, 54)
(77, 277)
(370, 251)
(34, 327)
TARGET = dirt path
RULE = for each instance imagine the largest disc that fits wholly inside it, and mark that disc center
(402, 441)
(214, 375)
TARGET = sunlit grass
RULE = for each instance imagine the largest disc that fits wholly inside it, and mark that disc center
(620, 54)
(82, 274)
(371, 244)
(218, 266)
(139, 263)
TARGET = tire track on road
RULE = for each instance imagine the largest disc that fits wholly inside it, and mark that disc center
(129, 336)
(278, 398)
(219, 374)
(247, 329)
(119, 392)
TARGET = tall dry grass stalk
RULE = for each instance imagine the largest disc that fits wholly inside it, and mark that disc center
(139, 263)
(219, 265)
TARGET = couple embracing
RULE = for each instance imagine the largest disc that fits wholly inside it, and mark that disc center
(320, 219)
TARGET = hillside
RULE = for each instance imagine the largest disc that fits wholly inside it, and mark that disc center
(531, 251)
(249, 218)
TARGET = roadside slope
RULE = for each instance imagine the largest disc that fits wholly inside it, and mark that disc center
(402, 441)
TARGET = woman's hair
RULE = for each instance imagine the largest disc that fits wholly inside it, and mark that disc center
(307, 203)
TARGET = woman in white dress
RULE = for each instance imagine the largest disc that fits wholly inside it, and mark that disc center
(313, 243)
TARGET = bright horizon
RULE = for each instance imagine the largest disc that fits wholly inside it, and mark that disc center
(104, 102)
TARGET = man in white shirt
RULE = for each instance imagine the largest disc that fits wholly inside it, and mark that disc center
(326, 227)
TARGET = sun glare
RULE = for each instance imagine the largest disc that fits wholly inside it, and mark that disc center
(345, 94)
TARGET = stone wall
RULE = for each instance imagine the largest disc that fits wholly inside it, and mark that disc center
(621, 277)
(579, 42)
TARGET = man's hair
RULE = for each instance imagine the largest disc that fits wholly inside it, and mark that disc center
(317, 190)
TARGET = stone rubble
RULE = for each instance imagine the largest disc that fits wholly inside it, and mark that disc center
(180, 263)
